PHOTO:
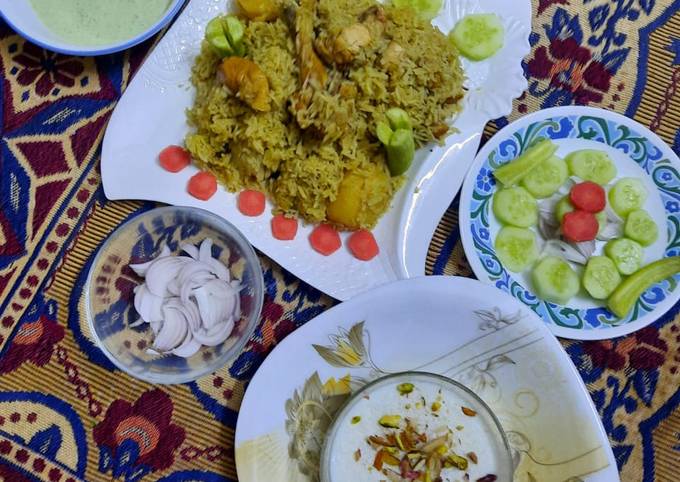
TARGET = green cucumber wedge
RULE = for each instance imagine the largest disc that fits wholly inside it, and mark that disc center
(554, 280)
(513, 172)
(626, 295)
(546, 178)
(600, 277)
(516, 248)
(516, 207)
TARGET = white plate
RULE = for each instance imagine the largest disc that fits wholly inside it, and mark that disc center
(637, 152)
(151, 115)
(453, 326)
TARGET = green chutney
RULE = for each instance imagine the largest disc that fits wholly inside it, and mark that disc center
(99, 22)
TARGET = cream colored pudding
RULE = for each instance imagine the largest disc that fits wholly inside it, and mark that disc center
(99, 22)
(416, 427)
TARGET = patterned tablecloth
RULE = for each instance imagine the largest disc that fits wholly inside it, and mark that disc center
(66, 414)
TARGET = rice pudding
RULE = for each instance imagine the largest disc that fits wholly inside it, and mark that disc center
(416, 427)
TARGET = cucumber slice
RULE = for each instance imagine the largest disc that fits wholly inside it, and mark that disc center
(516, 207)
(628, 292)
(627, 195)
(546, 178)
(554, 280)
(600, 277)
(563, 207)
(592, 165)
(516, 248)
(513, 172)
(601, 220)
(478, 36)
(641, 227)
(626, 254)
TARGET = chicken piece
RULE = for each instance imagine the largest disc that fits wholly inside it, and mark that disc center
(312, 69)
(393, 55)
(260, 9)
(247, 81)
(349, 42)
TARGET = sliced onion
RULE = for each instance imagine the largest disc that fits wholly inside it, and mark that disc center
(161, 272)
(188, 301)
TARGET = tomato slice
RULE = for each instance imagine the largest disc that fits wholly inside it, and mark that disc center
(363, 245)
(325, 239)
(283, 228)
(588, 196)
(579, 226)
(202, 185)
(251, 203)
(174, 158)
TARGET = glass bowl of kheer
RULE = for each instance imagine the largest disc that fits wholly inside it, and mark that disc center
(416, 426)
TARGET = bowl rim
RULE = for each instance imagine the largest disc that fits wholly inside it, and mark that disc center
(350, 402)
(252, 321)
(84, 51)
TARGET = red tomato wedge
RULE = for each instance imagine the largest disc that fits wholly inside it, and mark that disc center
(174, 158)
(579, 226)
(363, 246)
(588, 196)
(284, 228)
(251, 203)
(325, 239)
(202, 185)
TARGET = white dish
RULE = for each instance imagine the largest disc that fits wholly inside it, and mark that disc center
(21, 16)
(452, 326)
(151, 115)
(637, 152)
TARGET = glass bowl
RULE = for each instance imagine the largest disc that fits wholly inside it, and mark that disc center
(109, 292)
(350, 418)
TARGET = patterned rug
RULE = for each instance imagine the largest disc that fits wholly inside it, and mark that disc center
(67, 414)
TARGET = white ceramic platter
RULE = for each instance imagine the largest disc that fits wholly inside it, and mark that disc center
(452, 326)
(636, 152)
(151, 115)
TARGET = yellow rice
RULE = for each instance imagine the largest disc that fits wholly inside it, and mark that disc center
(300, 172)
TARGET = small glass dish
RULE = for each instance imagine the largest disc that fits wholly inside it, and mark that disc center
(109, 296)
(385, 397)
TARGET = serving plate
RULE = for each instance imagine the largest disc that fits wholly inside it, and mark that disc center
(637, 152)
(456, 327)
(151, 115)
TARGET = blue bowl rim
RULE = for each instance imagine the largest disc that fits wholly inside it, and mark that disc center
(154, 29)
(238, 346)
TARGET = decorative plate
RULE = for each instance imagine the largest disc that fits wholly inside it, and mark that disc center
(452, 326)
(637, 152)
(151, 115)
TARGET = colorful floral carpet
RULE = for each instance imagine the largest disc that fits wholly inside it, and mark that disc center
(67, 414)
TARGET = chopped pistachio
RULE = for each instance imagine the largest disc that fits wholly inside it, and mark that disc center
(357, 455)
(405, 388)
(436, 406)
(390, 421)
(459, 427)
(356, 419)
(456, 461)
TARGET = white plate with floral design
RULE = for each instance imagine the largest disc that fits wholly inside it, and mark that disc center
(456, 327)
(636, 152)
(151, 116)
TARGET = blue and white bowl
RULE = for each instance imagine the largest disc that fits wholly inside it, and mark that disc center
(19, 14)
